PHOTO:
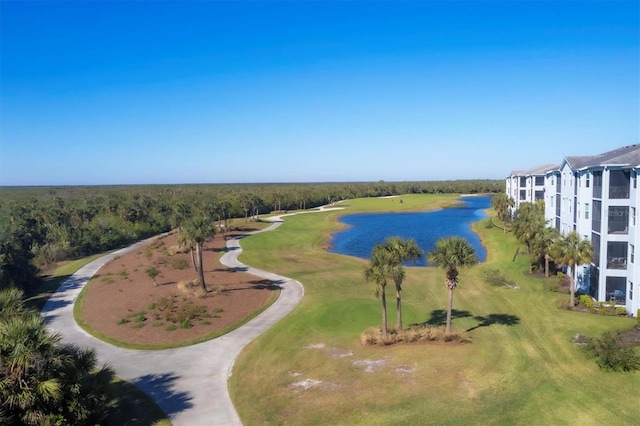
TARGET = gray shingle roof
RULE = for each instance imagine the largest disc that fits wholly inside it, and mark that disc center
(625, 156)
(538, 170)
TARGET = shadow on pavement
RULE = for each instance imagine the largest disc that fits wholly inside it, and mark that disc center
(161, 388)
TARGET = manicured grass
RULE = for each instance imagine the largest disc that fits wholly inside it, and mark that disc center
(520, 368)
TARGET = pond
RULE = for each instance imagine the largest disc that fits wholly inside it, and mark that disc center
(367, 229)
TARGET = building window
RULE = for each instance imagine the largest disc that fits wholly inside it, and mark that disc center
(586, 210)
(539, 180)
(551, 199)
(632, 252)
(618, 220)
(588, 179)
(630, 290)
(616, 290)
(617, 255)
(523, 182)
(633, 216)
(619, 184)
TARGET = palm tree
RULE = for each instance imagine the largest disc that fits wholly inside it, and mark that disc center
(452, 253)
(378, 272)
(527, 224)
(542, 246)
(195, 231)
(401, 251)
(571, 251)
(502, 204)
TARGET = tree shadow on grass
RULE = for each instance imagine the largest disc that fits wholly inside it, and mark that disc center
(500, 319)
(161, 388)
(439, 317)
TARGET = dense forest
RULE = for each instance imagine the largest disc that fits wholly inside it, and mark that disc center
(42, 225)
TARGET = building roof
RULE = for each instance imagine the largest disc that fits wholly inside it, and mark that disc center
(625, 156)
(535, 171)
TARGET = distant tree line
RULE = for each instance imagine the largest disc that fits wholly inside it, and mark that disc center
(41, 225)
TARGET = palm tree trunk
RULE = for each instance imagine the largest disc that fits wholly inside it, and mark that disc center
(449, 309)
(572, 286)
(201, 271)
(546, 265)
(383, 297)
(399, 307)
(193, 260)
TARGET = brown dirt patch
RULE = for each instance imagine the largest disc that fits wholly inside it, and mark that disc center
(119, 300)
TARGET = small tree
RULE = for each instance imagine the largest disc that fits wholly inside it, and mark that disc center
(152, 273)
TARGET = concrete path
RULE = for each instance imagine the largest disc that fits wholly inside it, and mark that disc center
(189, 384)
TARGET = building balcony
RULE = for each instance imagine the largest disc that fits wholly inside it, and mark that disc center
(619, 192)
(617, 263)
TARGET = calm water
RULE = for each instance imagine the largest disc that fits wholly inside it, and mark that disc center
(366, 230)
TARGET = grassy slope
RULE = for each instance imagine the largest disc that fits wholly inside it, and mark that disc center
(525, 373)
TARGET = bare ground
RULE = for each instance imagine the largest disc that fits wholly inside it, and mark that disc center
(123, 303)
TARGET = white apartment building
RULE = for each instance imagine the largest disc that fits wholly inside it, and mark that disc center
(597, 196)
(528, 185)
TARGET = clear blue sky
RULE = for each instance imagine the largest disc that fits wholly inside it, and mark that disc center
(118, 92)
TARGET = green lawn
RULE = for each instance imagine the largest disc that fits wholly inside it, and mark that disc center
(520, 368)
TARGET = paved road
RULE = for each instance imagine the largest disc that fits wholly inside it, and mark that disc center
(189, 384)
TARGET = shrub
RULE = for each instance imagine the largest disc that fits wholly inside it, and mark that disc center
(495, 278)
(171, 327)
(586, 301)
(186, 324)
(417, 334)
(123, 321)
(178, 263)
(612, 353)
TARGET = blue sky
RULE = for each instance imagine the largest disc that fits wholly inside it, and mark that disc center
(117, 92)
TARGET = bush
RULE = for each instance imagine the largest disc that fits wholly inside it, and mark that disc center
(586, 301)
(416, 334)
(613, 353)
(177, 263)
(495, 278)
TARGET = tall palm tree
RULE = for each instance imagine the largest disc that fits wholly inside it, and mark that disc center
(571, 251)
(452, 253)
(380, 269)
(401, 250)
(195, 231)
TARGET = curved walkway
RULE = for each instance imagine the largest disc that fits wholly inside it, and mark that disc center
(190, 383)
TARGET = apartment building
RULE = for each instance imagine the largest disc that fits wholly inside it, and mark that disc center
(528, 185)
(597, 196)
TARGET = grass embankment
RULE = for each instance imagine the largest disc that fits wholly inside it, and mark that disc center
(132, 406)
(520, 368)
